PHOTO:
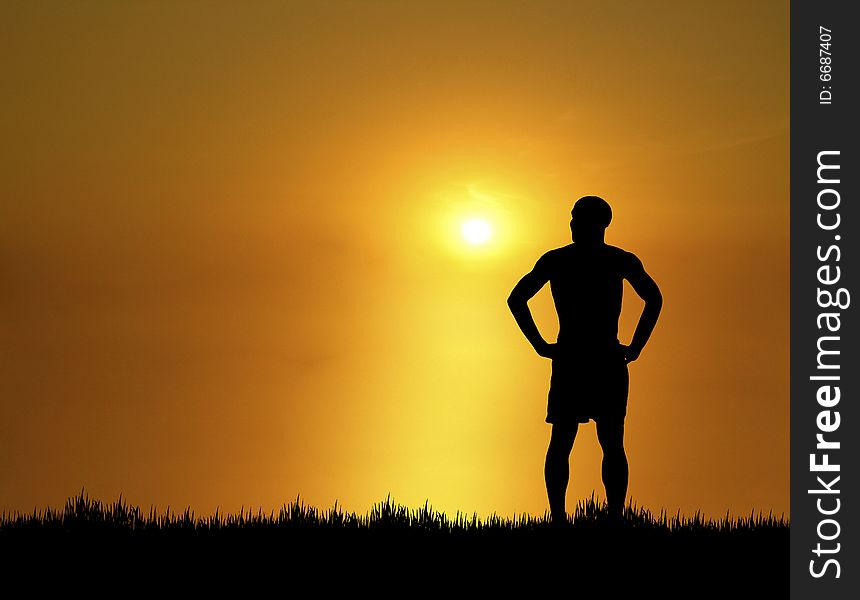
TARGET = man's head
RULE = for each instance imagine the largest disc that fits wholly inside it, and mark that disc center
(590, 217)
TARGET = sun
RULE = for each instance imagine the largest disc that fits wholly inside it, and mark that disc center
(476, 231)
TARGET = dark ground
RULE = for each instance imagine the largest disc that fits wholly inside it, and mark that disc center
(399, 551)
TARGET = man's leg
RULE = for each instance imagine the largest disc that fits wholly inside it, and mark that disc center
(610, 434)
(557, 468)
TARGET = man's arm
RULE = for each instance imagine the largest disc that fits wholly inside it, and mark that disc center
(650, 293)
(528, 286)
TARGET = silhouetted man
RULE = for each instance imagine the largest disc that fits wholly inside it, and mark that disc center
(589, 365)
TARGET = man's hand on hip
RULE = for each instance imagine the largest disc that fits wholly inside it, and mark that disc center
(630, 353)
(546, 350)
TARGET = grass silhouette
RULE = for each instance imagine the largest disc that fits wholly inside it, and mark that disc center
(83, 515)
(669, 552)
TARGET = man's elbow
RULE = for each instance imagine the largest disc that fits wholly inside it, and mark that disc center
(515, 302)
(655, 299)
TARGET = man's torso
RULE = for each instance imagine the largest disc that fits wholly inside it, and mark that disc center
(587, 288)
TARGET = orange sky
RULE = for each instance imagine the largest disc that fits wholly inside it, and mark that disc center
(230, 270)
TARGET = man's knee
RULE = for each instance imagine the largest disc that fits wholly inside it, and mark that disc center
(559, 450)
(610, 434)
(561, 439)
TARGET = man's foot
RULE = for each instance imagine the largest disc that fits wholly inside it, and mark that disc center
(615, 517)
(559, 521)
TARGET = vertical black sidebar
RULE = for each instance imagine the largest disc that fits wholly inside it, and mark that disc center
(825, 366)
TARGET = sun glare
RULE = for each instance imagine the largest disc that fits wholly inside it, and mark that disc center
(476, 231)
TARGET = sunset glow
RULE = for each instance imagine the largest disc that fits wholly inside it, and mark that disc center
(477, 231)
(257, 250)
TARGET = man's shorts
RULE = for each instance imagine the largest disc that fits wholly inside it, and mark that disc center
(588, 383)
